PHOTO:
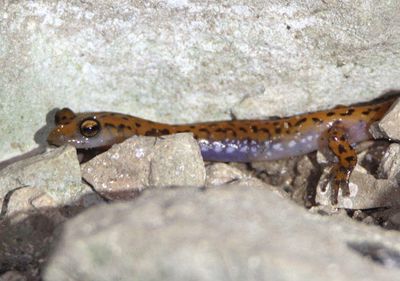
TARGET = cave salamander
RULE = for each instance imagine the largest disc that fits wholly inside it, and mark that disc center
(336, 130)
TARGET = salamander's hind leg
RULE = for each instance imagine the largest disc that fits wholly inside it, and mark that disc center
(339, 145)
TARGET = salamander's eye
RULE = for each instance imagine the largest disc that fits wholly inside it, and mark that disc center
(90, 127)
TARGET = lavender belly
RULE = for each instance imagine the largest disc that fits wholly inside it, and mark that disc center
(276, 148)
(248, 151)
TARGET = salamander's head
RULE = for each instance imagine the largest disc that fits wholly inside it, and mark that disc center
(89, 130)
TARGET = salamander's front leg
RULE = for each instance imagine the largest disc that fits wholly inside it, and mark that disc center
(339, 145)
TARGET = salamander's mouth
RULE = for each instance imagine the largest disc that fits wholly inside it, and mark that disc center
(56, 138)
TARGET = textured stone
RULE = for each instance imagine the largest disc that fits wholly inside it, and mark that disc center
(177, 161)
(389, 167)
(221, 173)
(57, 173)
(388, 127)
(12, 276)
(186, 61)
(227, 233)
(140, 162)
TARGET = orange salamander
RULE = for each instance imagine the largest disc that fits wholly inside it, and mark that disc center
(336, 130)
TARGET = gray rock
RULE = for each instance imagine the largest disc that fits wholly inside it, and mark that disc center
(140, 162)
(231, 233)
(177, 161)
(12, 276)
(186, 61)
(388, 127)
(221, 173)
(57, 173)
(389, 167)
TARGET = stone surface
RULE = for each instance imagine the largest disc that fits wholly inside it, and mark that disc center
(12, 276)
(57, 173)
(182, 61)
(222, 173)
(388, 127)
(177, 161)
(140, 162)
(389, 167)
(231, 233)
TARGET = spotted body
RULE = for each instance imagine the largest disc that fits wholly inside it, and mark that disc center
(338, 129)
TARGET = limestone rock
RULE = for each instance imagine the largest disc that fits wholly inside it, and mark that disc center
(57, 173)
(231, 233)
(388, 126)
(187, 61)
(140, 162)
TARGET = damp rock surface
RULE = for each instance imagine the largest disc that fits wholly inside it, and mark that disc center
(226, 233)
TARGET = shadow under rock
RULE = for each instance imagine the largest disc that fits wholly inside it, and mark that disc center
(27, 244)
(40, 138)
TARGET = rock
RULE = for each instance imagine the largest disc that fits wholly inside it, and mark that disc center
(177, 161)
(221, 173)
(25, 202)
(389, 167)
(12, 276)
(56, 173)
(140, 162)
(388, 126)
(226, 233)
(305, 182)
(187, 61)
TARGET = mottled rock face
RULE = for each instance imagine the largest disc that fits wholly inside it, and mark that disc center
(182, 61)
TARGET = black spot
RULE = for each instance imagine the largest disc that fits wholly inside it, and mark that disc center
(152, 132)
(125, 118)
(376, 109)
(317, 120)
(138, 125)
(341, 148)
(129, 128)
(301, 121)
(109, 125)
(204, 130)
(221, 130)
(350, 159)
(348, 112)
(192, 126)
(164, 132)
(265, 130)
(330, 113)
(112, 114)
(254, 128)
(343, 138)
(243, 129)
(278, 130)
(121, 127)
(366, 112)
